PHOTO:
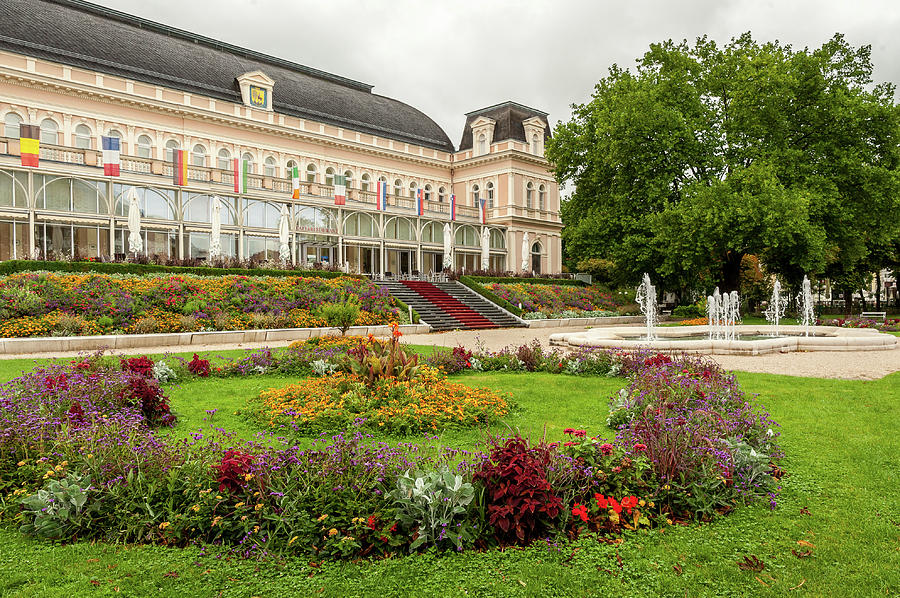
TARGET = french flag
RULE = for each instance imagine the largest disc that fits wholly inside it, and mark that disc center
(111, 151)
(420, 202)
(453, 207)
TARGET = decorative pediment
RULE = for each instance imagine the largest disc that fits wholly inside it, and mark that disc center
(534, 134)
(482, 126)
(256, 89)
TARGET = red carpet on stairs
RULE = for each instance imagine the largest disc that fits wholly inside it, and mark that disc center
(467, 317)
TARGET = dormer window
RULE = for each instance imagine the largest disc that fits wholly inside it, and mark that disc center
(256, 89)
(534, 134)
(482, 144)
(534, 144)
(482, 135)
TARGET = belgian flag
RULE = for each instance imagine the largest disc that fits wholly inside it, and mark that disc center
(30, 144)
(179, 166)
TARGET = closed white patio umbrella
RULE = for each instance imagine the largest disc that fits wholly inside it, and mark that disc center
(485, 248)
(215, 235)
(448, 246)
(526, 252)
(135, 242)
(284, 234)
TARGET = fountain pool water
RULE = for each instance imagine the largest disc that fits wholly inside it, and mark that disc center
(723, 311)
(645, 297)
(776, 308)
(807, 314)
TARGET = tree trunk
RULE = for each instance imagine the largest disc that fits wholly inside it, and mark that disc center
(878, 290)
(862, 300)
(848, 301)
(731, 272)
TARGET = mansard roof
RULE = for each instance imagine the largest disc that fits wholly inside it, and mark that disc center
(509, 117)
(85, 35)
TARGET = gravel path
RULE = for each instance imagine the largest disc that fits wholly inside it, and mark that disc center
(849, 365)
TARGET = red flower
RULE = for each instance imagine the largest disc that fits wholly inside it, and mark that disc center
(569, 431)
(640, 448)
(580, 433)
(601, 501)
(629, 502)
(371, 522)
(579, 511)
(606, 448)
(615, 505)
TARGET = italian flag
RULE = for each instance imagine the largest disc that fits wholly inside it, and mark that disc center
(241, 168)
(295, 182)
(340, 190)
(30, 144)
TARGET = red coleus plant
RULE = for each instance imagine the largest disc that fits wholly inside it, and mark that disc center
(520, 501)
(234, 471)
(199, 367)
(146, 393)
(138, 365)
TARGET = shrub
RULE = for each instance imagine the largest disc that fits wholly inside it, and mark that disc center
(520, 503)
(234, 471)
(55, 511)
(687, 311)
(145, 393)
(341, 315)
(199, 367)
(142, 366)
(434, 505)
(163, 373)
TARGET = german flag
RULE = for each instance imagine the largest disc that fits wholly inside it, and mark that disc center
(179, 167)
(30, 144)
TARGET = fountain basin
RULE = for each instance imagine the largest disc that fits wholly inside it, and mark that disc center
(677, 340)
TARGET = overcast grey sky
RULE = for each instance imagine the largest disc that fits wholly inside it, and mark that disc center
(451, 57)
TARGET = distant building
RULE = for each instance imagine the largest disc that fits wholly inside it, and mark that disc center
(80, 71)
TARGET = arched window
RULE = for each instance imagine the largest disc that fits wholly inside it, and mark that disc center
(248, 158)
(223, 161)
(498, 239)
(329, 176)
(311, 174)
(360, 224)
(398, 187)
(482, 144)
(348, 179)
(467, 236)
(413, 187)
(171, 146)
(535, 144)
(144, 146)
(536, 258)
(49, 131)
(442, 194)
(11, 124)
(364, 182)
(83, 137)
(542, 196)
(476, 195)
(198, 155)
(269, 166)
(432, 232)
(289, 168)
(400, 229)
(427, 192)
(490, 194)
(529, 195)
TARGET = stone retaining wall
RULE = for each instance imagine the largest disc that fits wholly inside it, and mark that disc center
(51, 344)
(565, 322)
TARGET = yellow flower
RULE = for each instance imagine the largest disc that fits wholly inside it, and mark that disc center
(258, 507)
(216, 521)
(291, 541)
(255, 529)
(20, 463)
(322, 518)
(196, 508)
(164, 525)
(248, 477)
(90, 455)
(642, 502)
(332, 532)
(239, 505)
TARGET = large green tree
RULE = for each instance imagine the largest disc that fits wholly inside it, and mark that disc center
(706, 153)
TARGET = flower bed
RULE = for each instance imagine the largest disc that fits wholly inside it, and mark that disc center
(889, 325)
(45, 304)
(79, 458)
(551, 300)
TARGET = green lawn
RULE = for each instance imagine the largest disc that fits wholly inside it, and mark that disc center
(842, 442)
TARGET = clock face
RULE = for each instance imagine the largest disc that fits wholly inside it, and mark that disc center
(258, 96)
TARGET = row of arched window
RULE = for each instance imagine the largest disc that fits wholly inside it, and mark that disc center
(529, 195)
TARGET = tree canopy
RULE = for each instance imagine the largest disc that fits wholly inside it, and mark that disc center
(706, 153)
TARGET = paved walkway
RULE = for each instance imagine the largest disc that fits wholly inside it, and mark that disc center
(850, 365)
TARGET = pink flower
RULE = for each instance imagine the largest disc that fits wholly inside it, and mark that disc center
(640, 448)
(580, 433)
(606, 448)
(569, 431)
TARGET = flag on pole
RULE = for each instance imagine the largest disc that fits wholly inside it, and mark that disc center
(179, 167)
(340, 190)
(111, 155)
(483, 203)
(295, 182)
(420, 202)
(241, 170)
(30, 144)
(381, 195)
(452, 206)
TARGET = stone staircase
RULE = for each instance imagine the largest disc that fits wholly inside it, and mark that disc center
(449, 305)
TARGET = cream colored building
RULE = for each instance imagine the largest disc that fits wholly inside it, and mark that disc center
(81, 71)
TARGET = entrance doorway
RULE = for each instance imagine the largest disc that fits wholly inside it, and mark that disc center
(400, 261)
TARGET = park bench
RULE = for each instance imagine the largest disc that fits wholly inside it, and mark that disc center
(873, 315)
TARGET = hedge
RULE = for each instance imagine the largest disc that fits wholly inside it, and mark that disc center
(13, 266)
(523, 280)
